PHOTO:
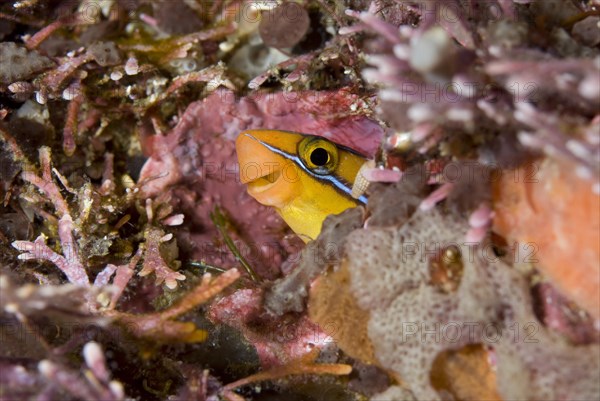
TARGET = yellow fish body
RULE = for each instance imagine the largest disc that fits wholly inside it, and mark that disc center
(304, 177)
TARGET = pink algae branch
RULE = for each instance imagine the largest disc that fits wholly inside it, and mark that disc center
(70, 262)
(153, 262)
(157, 326)
(160, 325)
(46, 184)
(39, 250)
(94, 384)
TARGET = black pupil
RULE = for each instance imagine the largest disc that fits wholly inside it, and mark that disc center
(319, 157)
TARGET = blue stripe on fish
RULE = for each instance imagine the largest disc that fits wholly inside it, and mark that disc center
(337, 182)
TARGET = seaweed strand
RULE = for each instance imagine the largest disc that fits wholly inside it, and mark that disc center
(220, 222)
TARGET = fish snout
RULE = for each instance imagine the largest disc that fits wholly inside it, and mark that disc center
(271, 178)
(255, 160)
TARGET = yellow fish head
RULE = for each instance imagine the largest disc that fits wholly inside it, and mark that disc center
(304, 177)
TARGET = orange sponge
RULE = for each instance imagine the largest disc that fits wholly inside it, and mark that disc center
(556, 214)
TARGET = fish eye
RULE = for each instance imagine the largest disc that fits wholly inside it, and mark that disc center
(318, 154)
(319, 157)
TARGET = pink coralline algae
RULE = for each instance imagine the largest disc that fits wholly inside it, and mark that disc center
(197, 164)
(277, 341)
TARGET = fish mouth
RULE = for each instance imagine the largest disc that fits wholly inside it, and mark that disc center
(264, 183)
(268, 175)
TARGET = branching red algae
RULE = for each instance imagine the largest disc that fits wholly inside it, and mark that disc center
(304, 365)
(160, 325)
